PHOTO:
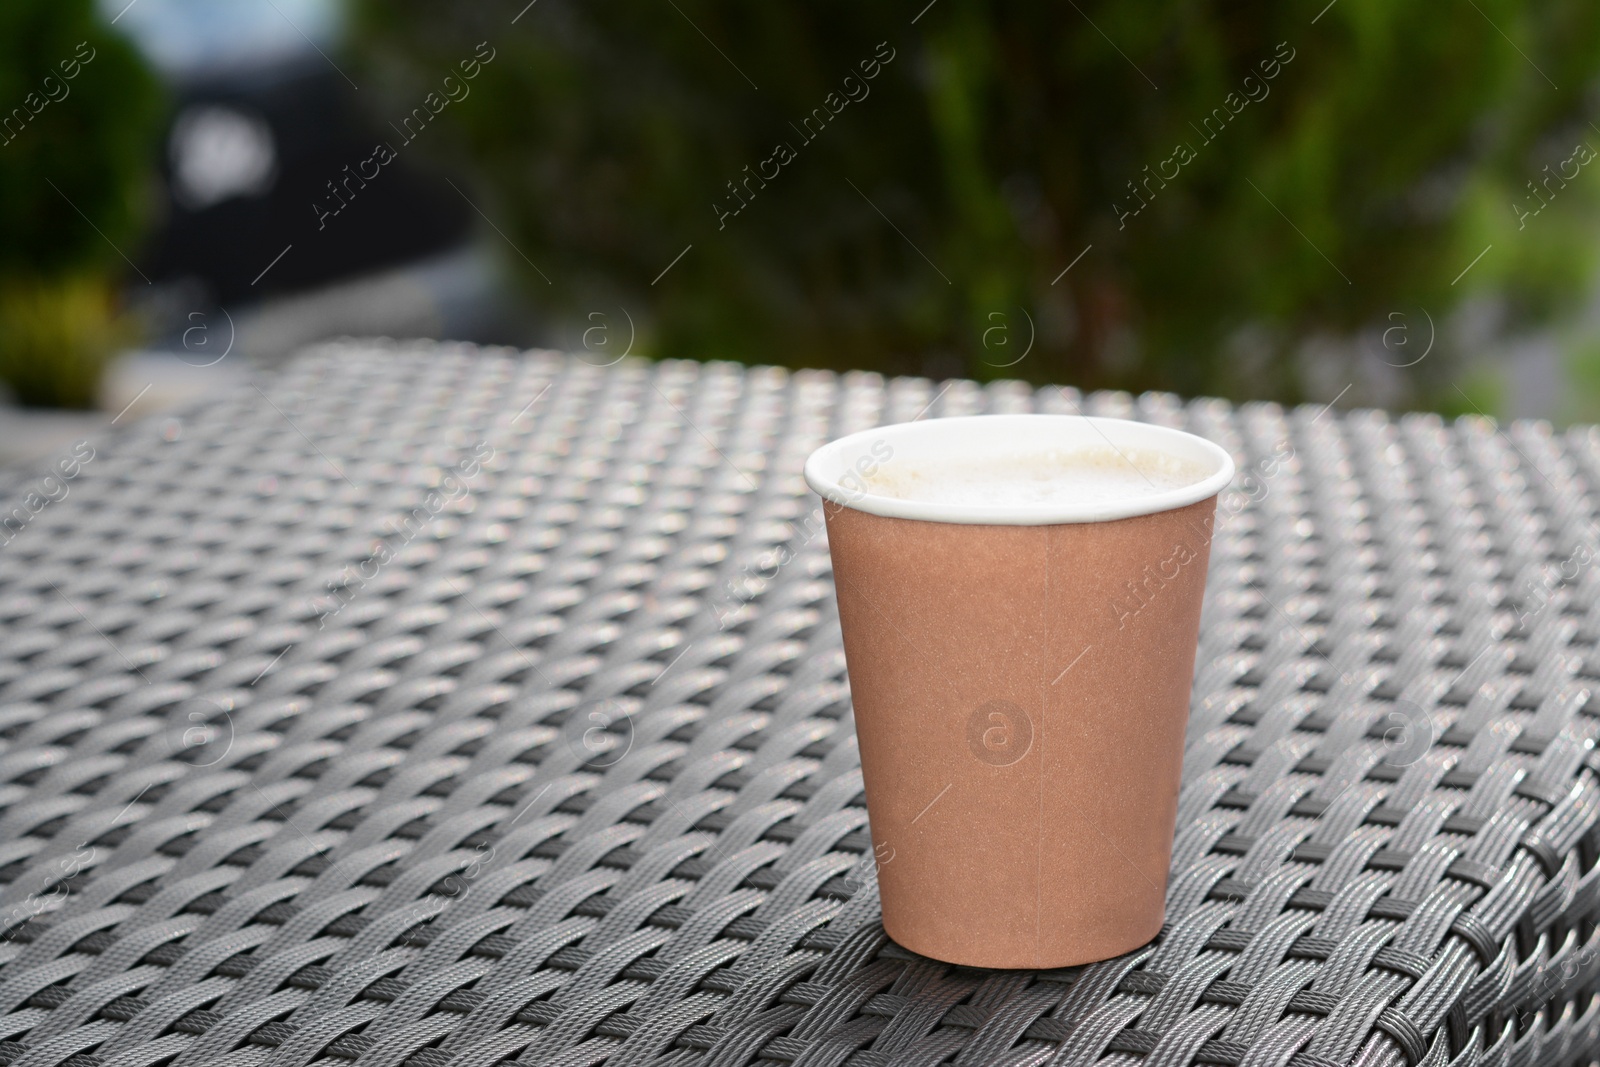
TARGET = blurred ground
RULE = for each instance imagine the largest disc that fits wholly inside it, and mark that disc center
(453, 296)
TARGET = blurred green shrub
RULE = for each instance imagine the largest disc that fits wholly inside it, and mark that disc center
(56, 336)
(78, 123)
(1243, 177)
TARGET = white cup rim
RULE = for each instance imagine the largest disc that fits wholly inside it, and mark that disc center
(829, 466)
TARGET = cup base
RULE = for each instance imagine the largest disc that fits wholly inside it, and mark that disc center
(1092, 948)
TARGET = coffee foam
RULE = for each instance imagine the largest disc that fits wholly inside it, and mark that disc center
(1089, 475)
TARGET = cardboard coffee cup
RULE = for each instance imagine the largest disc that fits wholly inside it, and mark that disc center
(1020, 658)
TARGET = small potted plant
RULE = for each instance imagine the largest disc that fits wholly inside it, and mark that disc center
(79, 116)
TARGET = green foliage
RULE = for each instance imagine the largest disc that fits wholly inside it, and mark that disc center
(78, 122)
(1479, 391)
(1581, 357)
(56, 336)
(1366, 161)
(88, 136)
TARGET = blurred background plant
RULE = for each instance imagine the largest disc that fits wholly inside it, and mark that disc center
(1385, 204)
(1391, 146)
(78, 122)
(56, 336)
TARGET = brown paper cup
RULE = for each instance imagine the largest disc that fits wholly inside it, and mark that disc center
(1020, 677)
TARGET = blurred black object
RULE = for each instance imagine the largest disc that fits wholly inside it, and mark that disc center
(265, 130)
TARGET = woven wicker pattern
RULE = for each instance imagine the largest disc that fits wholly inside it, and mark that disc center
(425, 706)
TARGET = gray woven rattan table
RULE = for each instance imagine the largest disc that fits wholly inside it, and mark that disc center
(426, 705)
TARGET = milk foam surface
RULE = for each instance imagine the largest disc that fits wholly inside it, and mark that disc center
(1091, 475)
